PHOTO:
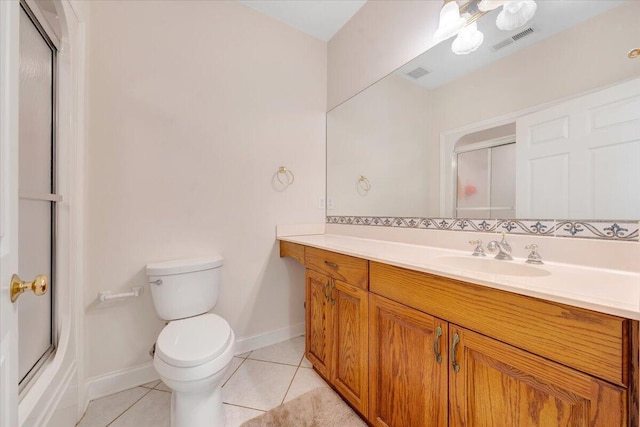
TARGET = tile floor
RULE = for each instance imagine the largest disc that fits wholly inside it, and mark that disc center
(256, 382)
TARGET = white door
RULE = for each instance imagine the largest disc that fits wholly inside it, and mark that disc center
(578, 159)
(9, 19)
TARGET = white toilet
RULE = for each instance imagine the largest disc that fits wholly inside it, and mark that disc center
(195, 349)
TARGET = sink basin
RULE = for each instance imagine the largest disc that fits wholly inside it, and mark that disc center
(492, 266)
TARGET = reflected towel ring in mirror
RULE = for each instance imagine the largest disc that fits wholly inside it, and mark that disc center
(285, 176)
(634, 53)
(364, 183)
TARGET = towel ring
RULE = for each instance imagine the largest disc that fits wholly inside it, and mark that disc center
(364, 183)
(286, 174)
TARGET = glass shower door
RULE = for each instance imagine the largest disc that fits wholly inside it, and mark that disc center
(37, 194)
(486, 182)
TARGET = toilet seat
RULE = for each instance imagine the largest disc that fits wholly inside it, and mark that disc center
(193, 341)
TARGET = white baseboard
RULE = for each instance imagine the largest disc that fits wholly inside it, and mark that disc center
(254, 342)
(113, 382)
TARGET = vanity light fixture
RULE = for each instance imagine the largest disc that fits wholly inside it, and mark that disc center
(460, 21)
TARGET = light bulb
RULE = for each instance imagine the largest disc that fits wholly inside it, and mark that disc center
(515, 13)
(468, 40)
(487, 5)
(450, 22)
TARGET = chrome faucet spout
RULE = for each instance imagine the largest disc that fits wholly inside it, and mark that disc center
(503, 248)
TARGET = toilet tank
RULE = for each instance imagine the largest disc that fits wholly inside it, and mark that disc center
(186, 287)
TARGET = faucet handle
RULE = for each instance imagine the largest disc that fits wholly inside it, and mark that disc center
(506, 247)
(534, 256)
(479, 250)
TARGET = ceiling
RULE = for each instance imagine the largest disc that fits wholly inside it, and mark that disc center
(318, 18)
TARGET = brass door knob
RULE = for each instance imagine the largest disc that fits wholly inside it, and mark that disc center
(39, 286)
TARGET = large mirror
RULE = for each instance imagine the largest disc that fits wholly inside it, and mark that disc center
(539, 122)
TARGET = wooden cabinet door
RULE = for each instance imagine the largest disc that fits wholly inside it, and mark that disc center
(494, 384)
(350, 367)
(408, 382)
(318, 322)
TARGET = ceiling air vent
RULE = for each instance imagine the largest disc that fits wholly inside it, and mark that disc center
(514, 38)
(417, 73)
(522, 34)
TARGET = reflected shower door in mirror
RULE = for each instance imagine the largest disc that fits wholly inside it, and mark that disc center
(577, 146)
(486, 185)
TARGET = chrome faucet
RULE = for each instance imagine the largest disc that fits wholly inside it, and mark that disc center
(504, 249)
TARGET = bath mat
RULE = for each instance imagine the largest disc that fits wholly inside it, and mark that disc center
(320, 407)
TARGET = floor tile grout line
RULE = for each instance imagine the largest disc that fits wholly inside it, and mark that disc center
(149, 388)
(162, 383)
(277, 363)
(152, 388)
(234, 372)
(296, 368)
(131, 406)
(245, 407)
(290, 383)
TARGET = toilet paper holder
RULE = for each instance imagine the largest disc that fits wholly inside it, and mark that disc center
(104, 296)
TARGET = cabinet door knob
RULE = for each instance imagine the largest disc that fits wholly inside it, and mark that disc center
(436, 344)
(333, 286)
(324, 291)
(456, 341)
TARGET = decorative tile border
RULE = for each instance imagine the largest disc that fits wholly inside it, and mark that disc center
(607, 230)
(627, 231)
(542, 227)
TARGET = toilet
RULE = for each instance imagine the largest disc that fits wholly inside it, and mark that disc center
(195, 349)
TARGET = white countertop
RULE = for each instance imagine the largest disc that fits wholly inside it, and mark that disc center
(606, 291)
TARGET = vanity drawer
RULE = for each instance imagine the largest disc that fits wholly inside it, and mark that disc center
(588, 341)
(293, 250)
(352, 270)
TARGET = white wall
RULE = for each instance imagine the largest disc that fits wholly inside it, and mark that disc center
(192, 108)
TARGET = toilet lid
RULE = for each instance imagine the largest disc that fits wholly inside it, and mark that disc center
(193, 341)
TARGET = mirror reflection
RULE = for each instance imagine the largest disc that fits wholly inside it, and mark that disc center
(539, 122)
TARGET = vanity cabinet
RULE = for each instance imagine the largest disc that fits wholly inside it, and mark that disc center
(408, 366)
(555, 376)
(494, 384)
(337, 322)
(427, 372)
(408, 348)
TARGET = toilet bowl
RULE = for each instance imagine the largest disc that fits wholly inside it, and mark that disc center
(194, 351)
